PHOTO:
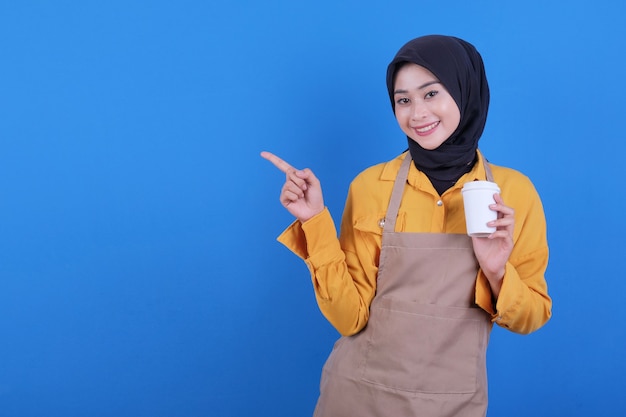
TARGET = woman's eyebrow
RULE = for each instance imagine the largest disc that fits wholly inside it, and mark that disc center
(399, 91)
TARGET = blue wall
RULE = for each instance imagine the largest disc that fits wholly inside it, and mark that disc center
(139, 272)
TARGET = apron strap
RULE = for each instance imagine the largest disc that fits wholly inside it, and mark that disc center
(396, 195)
(488, 170)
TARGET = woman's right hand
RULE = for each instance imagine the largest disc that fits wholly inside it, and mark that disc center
(301, 194)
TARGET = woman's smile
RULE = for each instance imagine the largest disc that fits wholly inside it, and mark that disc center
(427, 129)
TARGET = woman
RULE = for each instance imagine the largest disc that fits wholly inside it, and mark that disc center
(413, 296)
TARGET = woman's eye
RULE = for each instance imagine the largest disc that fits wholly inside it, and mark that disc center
(431, 94)
(403, 100)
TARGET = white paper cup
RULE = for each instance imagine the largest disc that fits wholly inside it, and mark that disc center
(477, 196)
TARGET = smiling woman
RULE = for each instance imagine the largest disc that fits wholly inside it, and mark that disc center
(412, 294)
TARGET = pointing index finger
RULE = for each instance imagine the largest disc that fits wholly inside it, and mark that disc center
(278, 163)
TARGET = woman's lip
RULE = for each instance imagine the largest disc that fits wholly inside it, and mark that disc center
(426, 130)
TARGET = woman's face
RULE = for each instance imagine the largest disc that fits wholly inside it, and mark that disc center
(425, 111)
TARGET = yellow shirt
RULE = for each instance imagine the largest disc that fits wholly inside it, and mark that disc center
(344, 269)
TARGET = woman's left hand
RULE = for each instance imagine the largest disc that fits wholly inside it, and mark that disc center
(493, 251)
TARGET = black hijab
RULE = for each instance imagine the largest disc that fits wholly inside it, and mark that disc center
(459, 67)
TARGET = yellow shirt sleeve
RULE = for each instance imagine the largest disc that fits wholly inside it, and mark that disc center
(343, 278)
(523, 305)
(344, 269)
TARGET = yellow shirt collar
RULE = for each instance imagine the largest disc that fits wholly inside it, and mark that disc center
(418, 179)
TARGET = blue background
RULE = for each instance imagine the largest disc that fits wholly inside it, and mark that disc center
(139, 272)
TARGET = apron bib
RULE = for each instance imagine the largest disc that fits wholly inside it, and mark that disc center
(423, 350)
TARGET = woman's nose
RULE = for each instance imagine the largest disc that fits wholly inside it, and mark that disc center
(419, 111)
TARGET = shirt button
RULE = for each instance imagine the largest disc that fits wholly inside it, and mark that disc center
(440, 203)
(381, 223)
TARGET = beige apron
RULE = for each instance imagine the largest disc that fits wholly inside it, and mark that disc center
(423, 351)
